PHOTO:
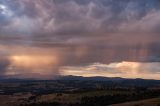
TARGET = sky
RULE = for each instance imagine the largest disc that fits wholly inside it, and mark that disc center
(48, 38)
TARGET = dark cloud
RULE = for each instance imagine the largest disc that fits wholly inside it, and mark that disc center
(60, 17)
(4, 63)
(81, 31)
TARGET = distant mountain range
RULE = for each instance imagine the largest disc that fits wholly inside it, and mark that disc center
(81, 78)
(99, 78)
(102, 80)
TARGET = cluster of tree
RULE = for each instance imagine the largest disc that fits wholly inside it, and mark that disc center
(118, 98)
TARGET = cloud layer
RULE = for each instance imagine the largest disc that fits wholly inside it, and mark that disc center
(120, 69)
(76, 33)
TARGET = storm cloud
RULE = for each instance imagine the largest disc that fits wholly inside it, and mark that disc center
(4, 63)
(77, 32)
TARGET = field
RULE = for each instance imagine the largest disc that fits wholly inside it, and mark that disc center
(83, 98)
(80, 92)
(148, 102)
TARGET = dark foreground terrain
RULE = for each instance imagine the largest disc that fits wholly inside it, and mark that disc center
(80, 91)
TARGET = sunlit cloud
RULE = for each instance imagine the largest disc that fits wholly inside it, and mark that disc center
(119, 69)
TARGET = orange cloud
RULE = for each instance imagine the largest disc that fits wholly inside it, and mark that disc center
(33, 64)
(124, 69)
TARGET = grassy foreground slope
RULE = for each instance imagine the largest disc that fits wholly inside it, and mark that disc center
(147, 102)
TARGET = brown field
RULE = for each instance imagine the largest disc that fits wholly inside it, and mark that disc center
(147, 102)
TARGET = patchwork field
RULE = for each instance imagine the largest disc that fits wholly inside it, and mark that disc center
(80, 92)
